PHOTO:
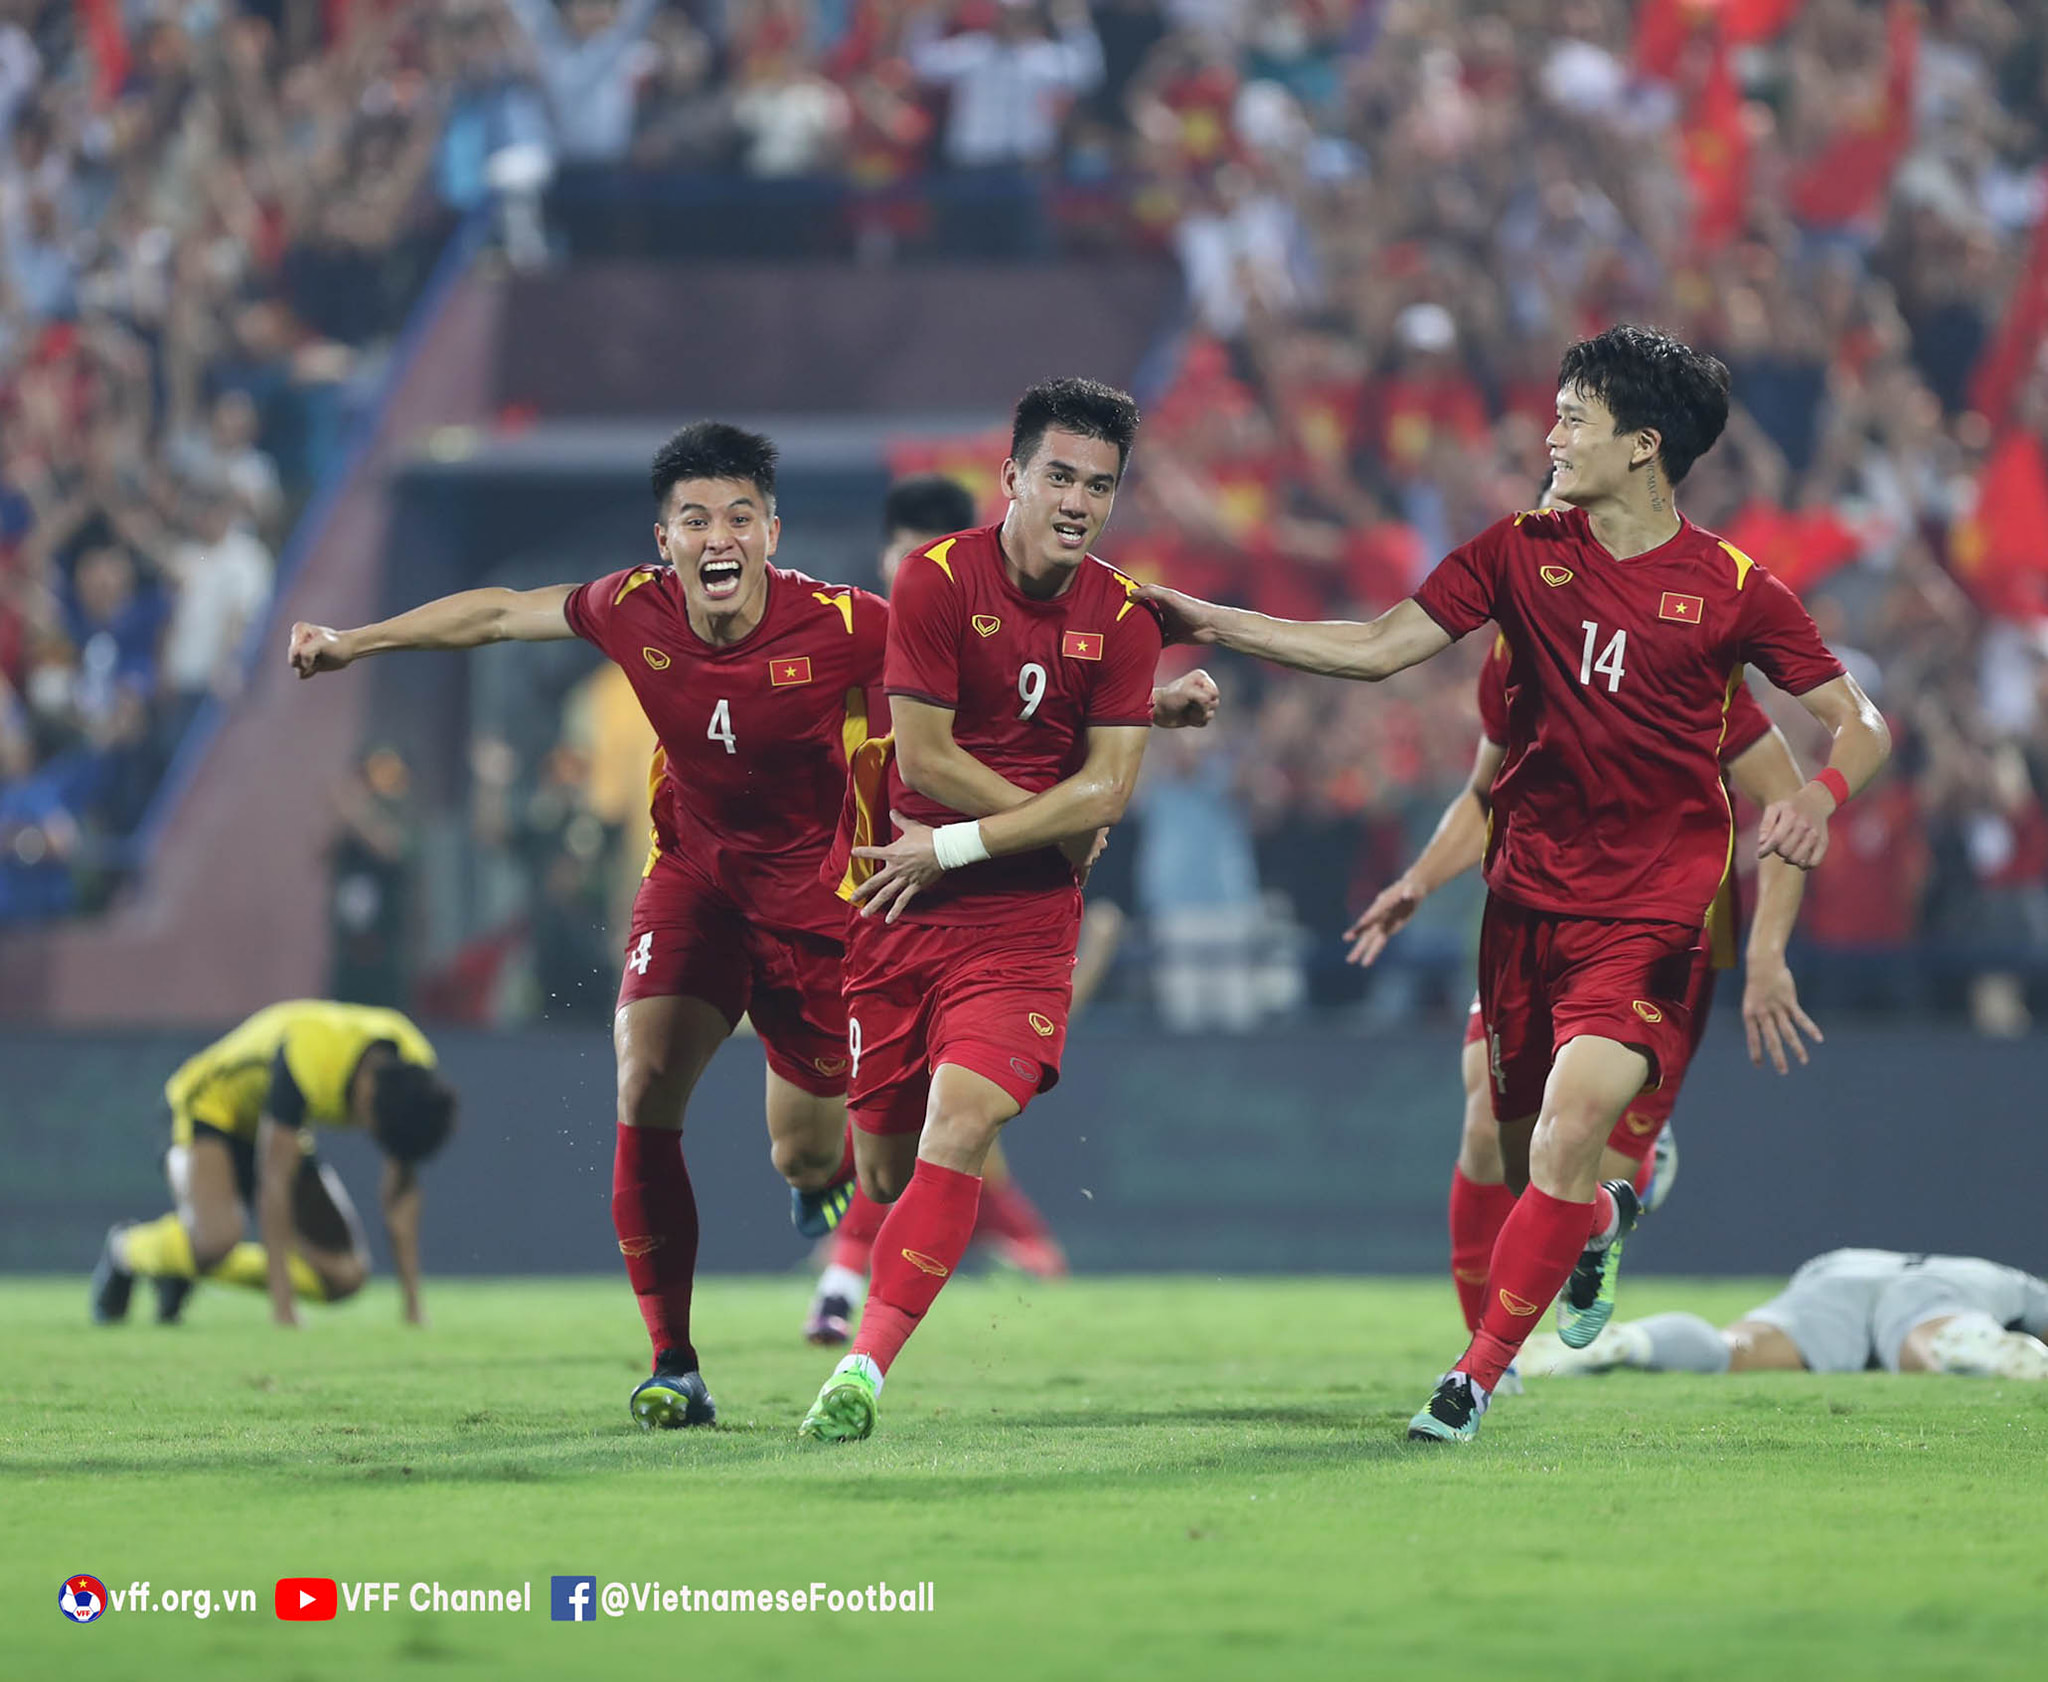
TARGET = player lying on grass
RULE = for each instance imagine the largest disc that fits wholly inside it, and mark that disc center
(1846, 1311)
(1493, 1162)
(1019, 673)
(242, 1114)
(1627, 627)
(916, 513)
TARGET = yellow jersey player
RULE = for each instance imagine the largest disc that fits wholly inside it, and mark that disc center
(242, 1115)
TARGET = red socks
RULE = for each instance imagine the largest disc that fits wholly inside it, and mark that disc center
(853, 1239)
(1538, 1247)
(1478, 1212)
(926, 1232)
(654, 1212)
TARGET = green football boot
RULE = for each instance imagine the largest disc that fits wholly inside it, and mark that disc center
(845, 1409)
(1587, 1302)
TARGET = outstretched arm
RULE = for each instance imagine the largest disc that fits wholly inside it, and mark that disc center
(1401, 637)
(1796, 829)
(1772, 1020)
(1456, 846)
(467, 619)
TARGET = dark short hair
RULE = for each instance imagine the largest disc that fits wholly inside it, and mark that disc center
(1648, 379)
(1086, 407)
(714, 450)
(414, 1109)
(928, 502)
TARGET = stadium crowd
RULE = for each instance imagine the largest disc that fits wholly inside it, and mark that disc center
(210, 219)
(1390, 217)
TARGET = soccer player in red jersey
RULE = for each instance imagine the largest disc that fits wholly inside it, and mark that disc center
(1493, 1164)
(757, 683)
(1019, 674)
(917, 512)
(1628, 626)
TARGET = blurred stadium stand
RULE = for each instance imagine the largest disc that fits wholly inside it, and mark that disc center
(1334, 244)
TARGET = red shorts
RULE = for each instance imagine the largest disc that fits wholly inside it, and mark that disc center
(1636, 1133)
(1545, 979)
(690, 940)
(993, 1000)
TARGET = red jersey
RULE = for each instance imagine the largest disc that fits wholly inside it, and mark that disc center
(1025, 681)
(1623, 674)
(1748, 724)
(755, 737)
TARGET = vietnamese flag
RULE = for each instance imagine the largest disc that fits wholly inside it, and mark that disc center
(1082, 645)
(2000, 552)
(791, 668)
(1800, 549)
(2002, 369)
(1665, 28)
(1847, 179)
(1716, 151)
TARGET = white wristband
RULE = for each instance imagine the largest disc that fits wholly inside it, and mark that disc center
(957, 844)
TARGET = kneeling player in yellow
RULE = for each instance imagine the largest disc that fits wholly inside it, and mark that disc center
(241, 1141)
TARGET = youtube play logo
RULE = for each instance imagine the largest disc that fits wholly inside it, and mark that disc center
(306, 1600)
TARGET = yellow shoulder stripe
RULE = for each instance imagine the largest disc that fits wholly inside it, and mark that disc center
(1536, 514)
(1742, 562)
(939, 551)
(637, 577)
(843, 601)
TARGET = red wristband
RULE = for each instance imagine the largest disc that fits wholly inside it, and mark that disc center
(1835, 783)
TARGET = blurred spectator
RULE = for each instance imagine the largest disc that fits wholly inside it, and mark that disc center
(1010, 80)
(370, 867)
(1219, 962)
(589, 55)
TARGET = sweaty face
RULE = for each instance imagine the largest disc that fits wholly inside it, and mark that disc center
(718, 536)
(1589, 461)
(1062, 498)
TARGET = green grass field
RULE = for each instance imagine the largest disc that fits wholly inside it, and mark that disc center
(1116, 1478)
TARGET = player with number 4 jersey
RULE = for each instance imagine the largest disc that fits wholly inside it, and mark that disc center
(759, 684)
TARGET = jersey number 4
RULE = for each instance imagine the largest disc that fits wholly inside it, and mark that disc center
(721, 726)
(1608, 663)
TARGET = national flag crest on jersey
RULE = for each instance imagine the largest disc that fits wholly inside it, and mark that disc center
(1082, 645)
(788, 670)
(1685, 609)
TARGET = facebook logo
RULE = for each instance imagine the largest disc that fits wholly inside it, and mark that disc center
(575, 1600)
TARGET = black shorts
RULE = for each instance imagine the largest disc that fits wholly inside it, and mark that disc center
(314, 1213)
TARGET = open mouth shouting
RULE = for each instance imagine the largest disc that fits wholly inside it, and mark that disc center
(720, 578)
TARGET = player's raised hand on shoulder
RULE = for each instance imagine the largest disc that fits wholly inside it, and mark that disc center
(909, 863)
(317, 648)
(1186, 618)
(1187, 703)
(1796, 829)
(1381, 920)
(1772, 1021)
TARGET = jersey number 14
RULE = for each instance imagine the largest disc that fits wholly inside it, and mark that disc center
(1607, 664)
